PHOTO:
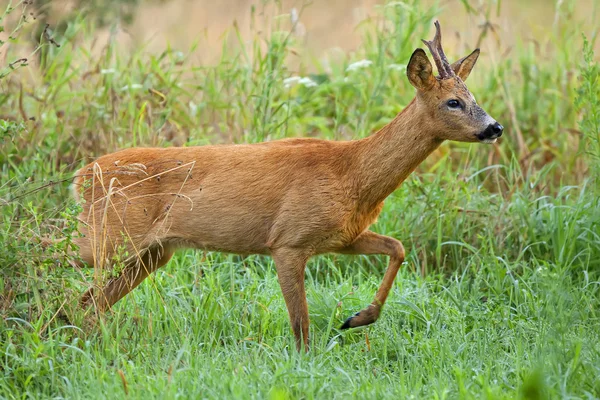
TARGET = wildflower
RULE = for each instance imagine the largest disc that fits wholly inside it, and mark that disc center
(297, 27)
(359, 65)
(132, 86)
(294, 16)
(397, 67)
(293, 80)
(307, 82)
(193, 108)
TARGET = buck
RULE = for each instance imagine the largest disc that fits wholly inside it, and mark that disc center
(291, 199)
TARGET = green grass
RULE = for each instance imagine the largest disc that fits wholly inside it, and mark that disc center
(500, 294)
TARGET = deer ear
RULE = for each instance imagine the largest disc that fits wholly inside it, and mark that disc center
(419, 71)
(463, 67)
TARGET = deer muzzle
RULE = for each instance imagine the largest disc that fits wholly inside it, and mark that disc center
(491, 133)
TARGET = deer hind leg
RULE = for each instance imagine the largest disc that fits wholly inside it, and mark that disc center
(290, 264)
(85, 253)
(132, 275)
(373, 243)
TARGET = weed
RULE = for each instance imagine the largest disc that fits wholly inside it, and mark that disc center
(499, 295)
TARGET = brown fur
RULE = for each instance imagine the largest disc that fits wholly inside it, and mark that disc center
(291, 199)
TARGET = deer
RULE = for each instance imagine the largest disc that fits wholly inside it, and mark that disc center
(291, 199)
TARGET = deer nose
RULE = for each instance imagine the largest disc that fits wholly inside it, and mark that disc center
(497, 129)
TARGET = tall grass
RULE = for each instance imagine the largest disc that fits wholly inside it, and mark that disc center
(499, 297)
(588, 103)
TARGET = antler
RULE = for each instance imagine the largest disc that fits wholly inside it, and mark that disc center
(435, 47)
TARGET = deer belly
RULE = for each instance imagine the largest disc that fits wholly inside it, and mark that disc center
(233, 228)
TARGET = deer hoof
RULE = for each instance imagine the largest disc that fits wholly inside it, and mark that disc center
(348, 323)
(363, 317)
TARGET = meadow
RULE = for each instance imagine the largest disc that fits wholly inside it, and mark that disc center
(499, 296)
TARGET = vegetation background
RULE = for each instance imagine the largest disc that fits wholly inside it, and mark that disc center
(499, 297)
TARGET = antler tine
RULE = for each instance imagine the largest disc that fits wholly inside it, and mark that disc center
(435, 47)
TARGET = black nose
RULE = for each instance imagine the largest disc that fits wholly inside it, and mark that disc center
(497, 128)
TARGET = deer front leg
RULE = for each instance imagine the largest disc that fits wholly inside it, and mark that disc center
(372, 243)
(131, 276)
(290, 265)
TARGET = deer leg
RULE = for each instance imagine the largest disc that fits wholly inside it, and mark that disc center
(132, 275)
(372, 243)
(290, 264)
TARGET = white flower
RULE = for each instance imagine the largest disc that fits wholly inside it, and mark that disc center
(397, 67)
(358, 65)
(297, 26)
(132, 86)
(294, 16)
(293, 80)
(107, 71)
(307, 82)
(193, 108)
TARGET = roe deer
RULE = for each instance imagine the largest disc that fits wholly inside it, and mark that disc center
(291, 199)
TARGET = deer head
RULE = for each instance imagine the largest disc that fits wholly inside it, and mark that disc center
(454, 111)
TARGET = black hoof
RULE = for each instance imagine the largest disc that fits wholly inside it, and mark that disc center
(346, 323)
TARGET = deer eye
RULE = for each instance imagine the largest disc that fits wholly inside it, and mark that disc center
(453, 103)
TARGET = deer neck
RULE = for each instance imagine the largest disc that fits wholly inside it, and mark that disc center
(386, 158)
